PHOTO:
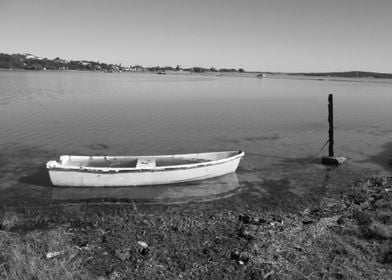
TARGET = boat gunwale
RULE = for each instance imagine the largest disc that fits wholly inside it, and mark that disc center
(111, 170)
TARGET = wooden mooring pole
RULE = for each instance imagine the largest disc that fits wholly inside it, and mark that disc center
(331, 159)
(330, 122)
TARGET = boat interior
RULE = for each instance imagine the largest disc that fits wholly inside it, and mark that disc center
(144, 162)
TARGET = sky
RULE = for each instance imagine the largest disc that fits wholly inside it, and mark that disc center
(257, 35)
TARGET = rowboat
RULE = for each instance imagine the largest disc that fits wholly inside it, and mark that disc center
(120, 171)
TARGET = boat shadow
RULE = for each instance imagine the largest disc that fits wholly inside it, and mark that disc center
(39, 178)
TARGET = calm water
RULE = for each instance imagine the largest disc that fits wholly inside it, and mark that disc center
(279, 123)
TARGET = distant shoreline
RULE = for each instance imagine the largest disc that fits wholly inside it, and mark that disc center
(30, 62)
(330, 78)
(269, 75)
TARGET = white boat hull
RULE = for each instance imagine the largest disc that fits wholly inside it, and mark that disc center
(119, 177)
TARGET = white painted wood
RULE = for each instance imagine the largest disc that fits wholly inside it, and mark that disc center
(116, 171)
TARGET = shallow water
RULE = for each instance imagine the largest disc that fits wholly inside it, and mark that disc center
(279, 123)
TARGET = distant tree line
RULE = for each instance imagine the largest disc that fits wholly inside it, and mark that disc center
(31, 62)
(21, 61)
(192, 69)
(212, 69)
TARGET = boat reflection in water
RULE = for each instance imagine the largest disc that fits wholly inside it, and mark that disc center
(206, 190)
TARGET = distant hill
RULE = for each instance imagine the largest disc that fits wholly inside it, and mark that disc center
(349, 74)
(32, 62)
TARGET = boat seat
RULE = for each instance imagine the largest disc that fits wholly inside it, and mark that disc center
(145, 163)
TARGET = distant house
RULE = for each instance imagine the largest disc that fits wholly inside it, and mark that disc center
(85, 63)
(59, 60)
(115, 68)
(31, 56)
(136, 68)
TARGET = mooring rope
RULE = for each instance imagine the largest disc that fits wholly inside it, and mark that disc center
(249, 165)
(253, 168)
(315, 155)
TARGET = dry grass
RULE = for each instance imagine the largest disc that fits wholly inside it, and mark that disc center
(9, 220)
(23, 256)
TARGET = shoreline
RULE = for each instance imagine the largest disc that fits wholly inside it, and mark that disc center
(341, 234)
(267, 75)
